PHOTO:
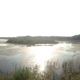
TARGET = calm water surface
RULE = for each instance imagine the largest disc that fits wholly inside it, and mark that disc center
(12, 56)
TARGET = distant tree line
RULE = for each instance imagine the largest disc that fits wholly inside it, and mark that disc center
(76, 37)
(40, 39)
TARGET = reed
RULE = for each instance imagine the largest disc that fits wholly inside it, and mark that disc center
(68, 70)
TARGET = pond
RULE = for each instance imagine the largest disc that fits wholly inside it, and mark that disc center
(12, 55)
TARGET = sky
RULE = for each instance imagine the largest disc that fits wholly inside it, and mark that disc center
(39, 17)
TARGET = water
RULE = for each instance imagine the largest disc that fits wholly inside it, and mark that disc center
(12, 56)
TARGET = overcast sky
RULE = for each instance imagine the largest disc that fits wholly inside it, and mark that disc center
(39, 17)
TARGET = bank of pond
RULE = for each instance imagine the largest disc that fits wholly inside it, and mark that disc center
(69, 70)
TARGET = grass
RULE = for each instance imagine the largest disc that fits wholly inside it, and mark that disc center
(69, 70)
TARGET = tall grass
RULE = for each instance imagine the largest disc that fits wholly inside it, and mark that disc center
(69, 70)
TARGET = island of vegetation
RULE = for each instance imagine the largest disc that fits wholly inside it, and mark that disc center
(28, 40)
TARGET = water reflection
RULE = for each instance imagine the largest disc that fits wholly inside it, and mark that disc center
(29, 56)
(40, 54)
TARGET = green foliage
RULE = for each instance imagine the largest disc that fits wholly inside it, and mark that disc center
(21, 74)
(32, 40)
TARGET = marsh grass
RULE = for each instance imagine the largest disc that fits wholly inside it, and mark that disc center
(68, 70)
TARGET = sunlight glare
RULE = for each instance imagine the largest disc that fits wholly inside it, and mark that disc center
(43, 55)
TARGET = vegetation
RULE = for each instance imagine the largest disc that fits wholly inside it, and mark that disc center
(69, 70)
(76, 37)
(60, 38)
(41, 40)
(32, 40)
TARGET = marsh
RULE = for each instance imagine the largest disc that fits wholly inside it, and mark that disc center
(15, 55)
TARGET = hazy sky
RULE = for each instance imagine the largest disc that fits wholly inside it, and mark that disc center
(39, 17)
